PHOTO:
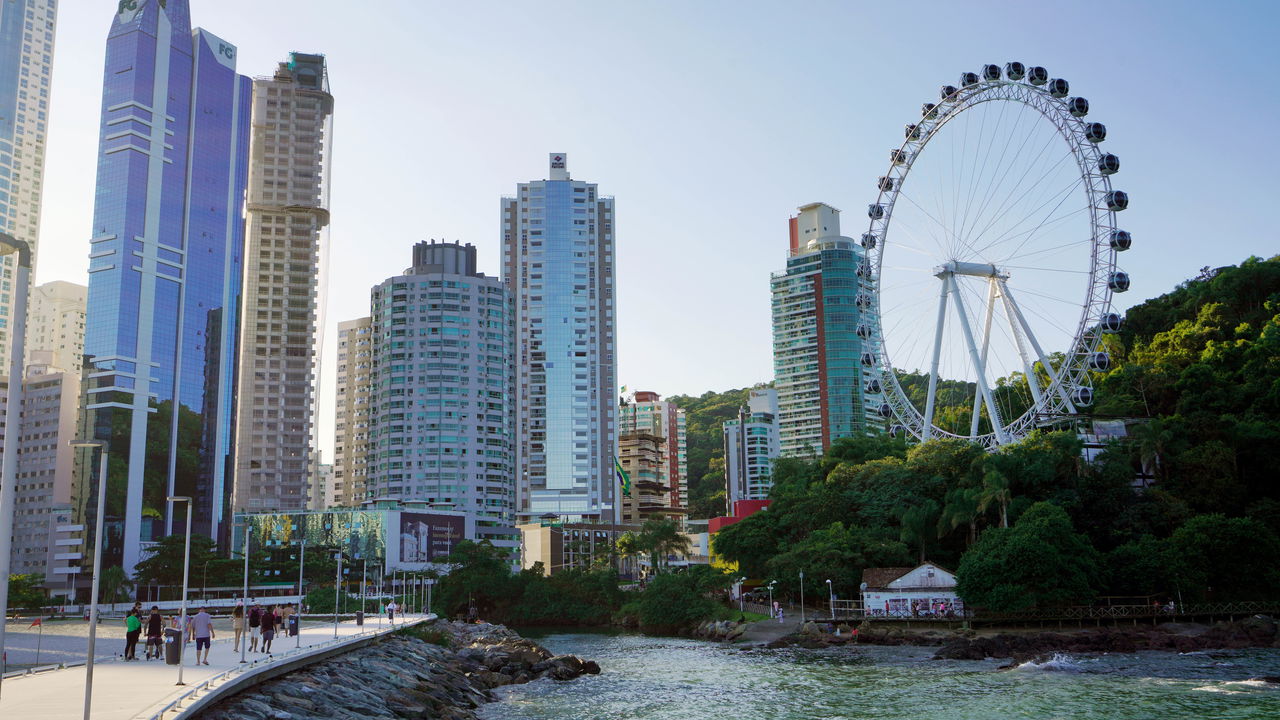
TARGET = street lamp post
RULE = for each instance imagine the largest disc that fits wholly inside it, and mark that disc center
(97, 566)
(741, 595)
(13, 411)
(364, 586)
(244, 645)
(186, 569)
(771, 612)
(302, 563)
(802, 597)
(831, 599)
(430, 582)
(337, 585)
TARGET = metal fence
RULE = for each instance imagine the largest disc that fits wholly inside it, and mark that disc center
(853, 610)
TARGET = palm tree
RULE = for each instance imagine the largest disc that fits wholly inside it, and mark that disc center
(1151, 445)
(919, 526)
(962, 508)
(628, 546)
(662, 538)
(995, 489)
(115, 584)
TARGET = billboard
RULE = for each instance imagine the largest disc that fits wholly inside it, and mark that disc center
(429, 537)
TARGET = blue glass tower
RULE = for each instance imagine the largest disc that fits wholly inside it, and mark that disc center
(165, 273)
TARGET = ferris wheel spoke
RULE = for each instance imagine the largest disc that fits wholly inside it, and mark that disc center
(1004, 150)
(1048, 221)
(1012, 195)
(1064, 193)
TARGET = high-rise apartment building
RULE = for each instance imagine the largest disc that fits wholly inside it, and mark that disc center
(642, 457)
(816, 347)
(351, 424)
(55, 322)
(165, 275)
(50, 398)
(648, 413)
(558, 262)
(750, 445)
(440, 430)
(26, 66)
(286, 251)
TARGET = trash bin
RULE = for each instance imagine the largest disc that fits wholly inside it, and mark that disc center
(360, 618)
(293, 625)
(172, 646)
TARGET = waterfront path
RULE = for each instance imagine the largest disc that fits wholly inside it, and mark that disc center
(766, 631)
(141, 690)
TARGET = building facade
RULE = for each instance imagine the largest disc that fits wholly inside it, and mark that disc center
(394, 535)
(50, 398)
(816, 347)
(55, 322)
(642, 457)
(26, 65)
(351, 422)
(558, 264)
(286, 252)
(647, 412)
(440, 423)
(750, 445)
(164, 275)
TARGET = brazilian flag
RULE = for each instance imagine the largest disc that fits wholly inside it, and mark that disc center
(623, 478)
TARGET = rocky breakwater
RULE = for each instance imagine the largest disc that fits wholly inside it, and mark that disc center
(724, 630)
(441, 671)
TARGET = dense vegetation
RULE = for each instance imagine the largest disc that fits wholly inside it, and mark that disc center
(1034, 525)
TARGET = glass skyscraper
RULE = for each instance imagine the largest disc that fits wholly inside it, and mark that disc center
(164, 274)
(816, 347)
(26, 63)
(558, 262)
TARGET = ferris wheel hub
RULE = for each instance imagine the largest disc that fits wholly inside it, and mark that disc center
(955, 267)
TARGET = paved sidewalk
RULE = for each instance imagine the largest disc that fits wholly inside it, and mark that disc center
(128, 690)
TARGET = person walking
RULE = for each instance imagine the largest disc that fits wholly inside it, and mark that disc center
(268, 629)
(255, 626)
(202, 629)
(155, 633)
(285, 612)
(391, 612)
(237, 624)
(132, 630)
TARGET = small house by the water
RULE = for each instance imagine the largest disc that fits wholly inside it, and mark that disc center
(924, 591)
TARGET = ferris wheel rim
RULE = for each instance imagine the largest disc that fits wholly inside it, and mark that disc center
(1080, 136)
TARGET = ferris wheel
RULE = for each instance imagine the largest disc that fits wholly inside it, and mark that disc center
(990, 262)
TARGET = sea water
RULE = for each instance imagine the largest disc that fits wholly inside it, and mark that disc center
(652, 678)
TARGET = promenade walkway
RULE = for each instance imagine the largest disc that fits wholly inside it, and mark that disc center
(139, 690)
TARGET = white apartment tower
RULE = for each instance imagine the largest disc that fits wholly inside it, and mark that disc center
(440, 430)
(351, 424)
(55, 322)
(558, 263)
(26, 66)
(286, 251)
(750, 445)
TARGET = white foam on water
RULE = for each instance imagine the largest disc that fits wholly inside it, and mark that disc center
(1059, 662)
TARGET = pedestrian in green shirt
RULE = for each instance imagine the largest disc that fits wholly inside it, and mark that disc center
(133, 629)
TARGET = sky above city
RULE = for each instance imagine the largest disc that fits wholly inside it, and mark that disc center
(709, 122)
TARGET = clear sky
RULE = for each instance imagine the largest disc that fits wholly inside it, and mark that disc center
(710, 122)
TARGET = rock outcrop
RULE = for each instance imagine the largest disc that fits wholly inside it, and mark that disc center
(446, 675)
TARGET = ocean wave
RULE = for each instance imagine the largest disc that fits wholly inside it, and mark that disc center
(1058, 662)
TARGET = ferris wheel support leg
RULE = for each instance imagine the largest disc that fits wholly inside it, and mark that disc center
(927, 431)
(986, 347)
(1028, 369)
(996, 425)
(1035, 344)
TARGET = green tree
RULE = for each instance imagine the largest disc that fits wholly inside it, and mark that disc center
(963, 507)
(750, 542)
(675, 602)
(1039, 562)
(479, 575)
(836, 552)
(661, 538)
(1219, 558)
(920, 526)
(114, 585)
(996, 488)
(25, 592)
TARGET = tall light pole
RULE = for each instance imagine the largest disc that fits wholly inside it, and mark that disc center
(302, 563)
(831, 599)
(771, 612)
(741, 594)
(337, 587)
(97, 565)
(364, 585)
(244, 645)
(186, 569)
(13, 411)
(802, 597)
(430, 583)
